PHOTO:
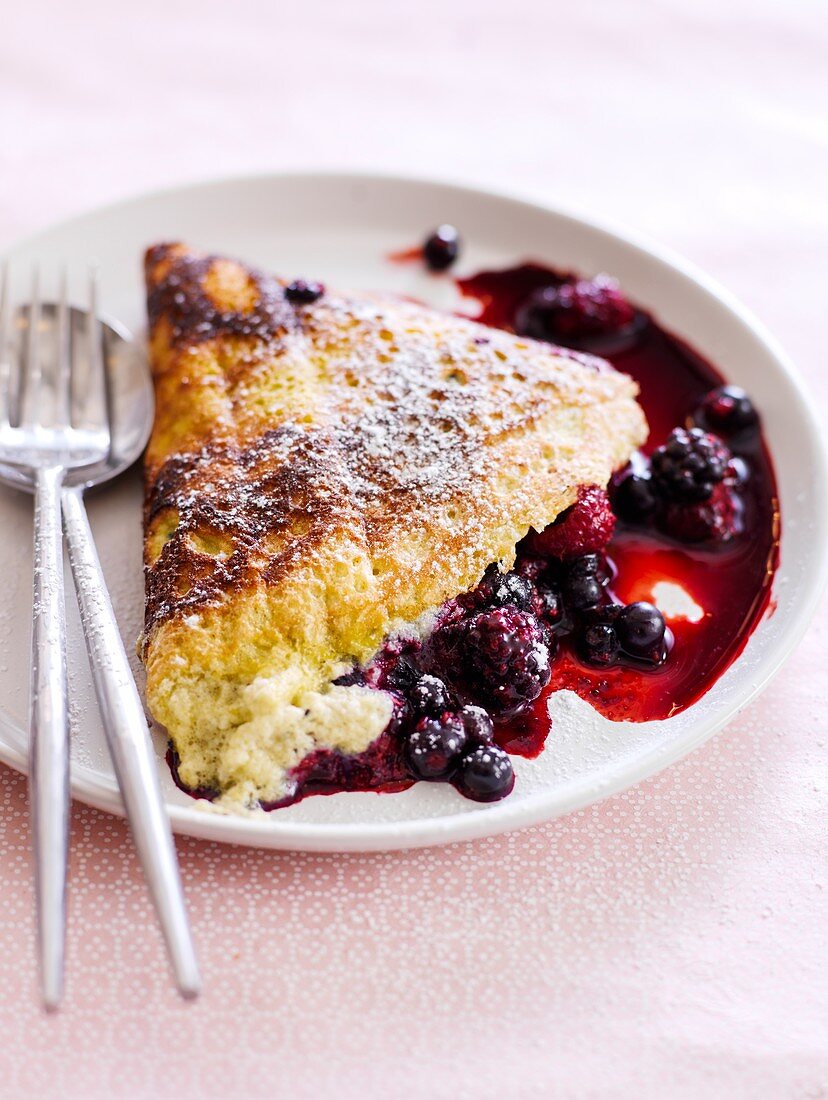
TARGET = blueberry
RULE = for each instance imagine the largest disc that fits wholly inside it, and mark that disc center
(429, 696)
(584, 582)
(433, 748)
(304, 291)
(633, 498)
(641, 630)
(550, 605)
(478, 725)
(441, 248)
(583, 592)
(599, 645)
(485, 774)
(727, 410)
(588, 565)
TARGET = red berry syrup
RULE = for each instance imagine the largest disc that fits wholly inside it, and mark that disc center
(725, 588)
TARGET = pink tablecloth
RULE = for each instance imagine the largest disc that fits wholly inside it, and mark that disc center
(668, 943)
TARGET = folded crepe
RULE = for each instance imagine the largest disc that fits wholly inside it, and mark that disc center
(319, 476)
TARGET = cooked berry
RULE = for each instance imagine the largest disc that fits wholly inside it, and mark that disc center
(402, 676)
(501, 589)
(575, 309)
(633, 498)
(584, 527)
(589, 565)
(433, 748)
(303, 291)
(485, 774)
(348, 679)
(640, 628)
(718, 519)
(689, 465)
(726, 410)
(478, 725)
(584, 582)
(505, 659)
(599, 644)
(738, 472)
(441, 247)
(531, 568)
(429, 696)
(549, 605)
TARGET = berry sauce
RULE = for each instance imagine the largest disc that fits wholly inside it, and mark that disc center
(711, 594)
(729, 583)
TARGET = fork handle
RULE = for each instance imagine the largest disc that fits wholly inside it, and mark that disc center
(129, 743)
(49, 734)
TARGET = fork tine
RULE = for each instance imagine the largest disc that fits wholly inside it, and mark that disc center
(63, 377)
(95, 399)
(5, 357)
(29, 380)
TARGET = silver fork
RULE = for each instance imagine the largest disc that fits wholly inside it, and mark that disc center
(45, 447)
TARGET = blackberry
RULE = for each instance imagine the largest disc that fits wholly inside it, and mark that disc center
(641, 630)
(478, 725)
(429, 696)
(728, 411)
(498, 589)
(689, 465)
(485, 774)
(441, 248)
(505, 659)
(575, 309)
(434, 747)
(304, 292)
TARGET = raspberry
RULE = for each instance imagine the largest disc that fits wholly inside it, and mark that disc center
(304, 292)
(718, 519)
(574, 310)
(504, 659)
(584, 528)
(689, 465)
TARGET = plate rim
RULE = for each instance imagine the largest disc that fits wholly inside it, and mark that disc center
(541, 806)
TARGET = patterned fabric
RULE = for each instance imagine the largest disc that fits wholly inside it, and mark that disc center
(664, 944)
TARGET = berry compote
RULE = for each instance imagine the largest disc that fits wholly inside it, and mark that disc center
(637, 598)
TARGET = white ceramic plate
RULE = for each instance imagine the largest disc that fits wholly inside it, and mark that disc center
(340, 228)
